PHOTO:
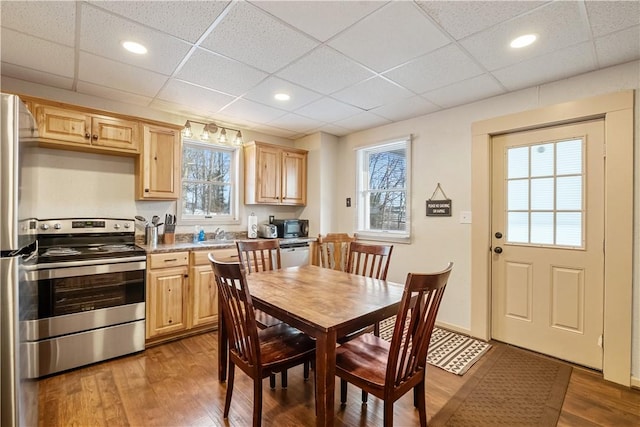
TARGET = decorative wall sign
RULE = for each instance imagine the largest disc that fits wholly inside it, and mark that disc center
(439, 207)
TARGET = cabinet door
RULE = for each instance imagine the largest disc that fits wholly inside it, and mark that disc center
(63, 125)
(115, 133)
(158, 169)
(205, 296)
(166, 301)
(268, 176)
(294, 178)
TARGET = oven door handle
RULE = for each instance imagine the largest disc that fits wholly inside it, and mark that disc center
(87, 270)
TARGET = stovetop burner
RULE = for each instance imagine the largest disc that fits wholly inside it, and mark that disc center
(55, 251)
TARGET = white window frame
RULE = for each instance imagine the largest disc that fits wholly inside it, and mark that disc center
(233, 216)
(362, 191)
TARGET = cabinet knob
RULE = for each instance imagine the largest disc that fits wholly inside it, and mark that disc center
(95, 137)
(146, 190)
(87, 135)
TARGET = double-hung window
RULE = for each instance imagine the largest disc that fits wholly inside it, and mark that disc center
(209, 183)
(383, 205)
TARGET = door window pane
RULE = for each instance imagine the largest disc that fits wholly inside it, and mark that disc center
(569, 155)
(542, 194)
(542, 160)
(569, 193)
(518, 162)
(542, 228)
(569, 229)
(518, 194)
(518, 227)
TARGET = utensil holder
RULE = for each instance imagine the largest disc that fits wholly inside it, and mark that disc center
(169, 238)
(151, 235)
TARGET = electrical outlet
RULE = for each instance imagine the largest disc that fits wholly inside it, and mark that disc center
(348, 202)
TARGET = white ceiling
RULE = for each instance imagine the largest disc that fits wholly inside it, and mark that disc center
(348, 65)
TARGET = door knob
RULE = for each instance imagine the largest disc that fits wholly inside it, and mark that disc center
(497, 250)
(498, 235)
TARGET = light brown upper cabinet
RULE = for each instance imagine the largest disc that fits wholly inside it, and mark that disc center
(158, 167)
(274, 175)
(70, 129)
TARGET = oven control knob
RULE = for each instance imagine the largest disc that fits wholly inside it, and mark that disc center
(127, 225)
(116, 226)
(44, 226)
(57, 226)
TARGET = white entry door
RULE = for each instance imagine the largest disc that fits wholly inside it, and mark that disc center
(547, 241)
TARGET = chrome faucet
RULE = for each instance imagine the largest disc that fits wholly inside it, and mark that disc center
(218, 234)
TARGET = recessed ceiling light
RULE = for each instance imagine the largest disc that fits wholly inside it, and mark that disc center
(282, 97)
(134, 47)
(523, 41)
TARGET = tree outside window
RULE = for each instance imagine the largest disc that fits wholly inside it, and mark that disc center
(209, 189)
(383, 189)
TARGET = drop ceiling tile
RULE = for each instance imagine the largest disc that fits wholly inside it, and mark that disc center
(390, 36)
(295, 123)
(252, 111)
(114, 94)
(265, 91)
(328, 110)
(253, 37)
(473, 89)
(34, 76)
(436, 69)
(372, 93)
(176, 109)
(36, 18)
(219, 73)
(463, 18)
(116, 75)
(275, 131)
(207, 100)
(558, 25)
(607, 17)
(406, 109)
(102, 34)
(547, 68)
(320, 19)
(616, 48)
(37, 54)
(364, 120)
(187, 21)
(326, 71)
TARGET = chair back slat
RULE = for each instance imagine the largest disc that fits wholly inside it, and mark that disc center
(333, 250)
(419, 307)
(237, 309)
(259, 255)
(369, 260)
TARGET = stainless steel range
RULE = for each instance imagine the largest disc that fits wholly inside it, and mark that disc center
(89, 283)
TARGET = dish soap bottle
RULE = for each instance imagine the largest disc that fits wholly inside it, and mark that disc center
(196, 234)
(201, 235)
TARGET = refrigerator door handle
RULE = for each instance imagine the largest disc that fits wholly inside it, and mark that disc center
(29, 251)
(34, 251)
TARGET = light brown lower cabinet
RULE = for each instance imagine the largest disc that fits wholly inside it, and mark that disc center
(181, 293)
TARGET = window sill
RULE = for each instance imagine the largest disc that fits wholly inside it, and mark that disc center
(384, 237)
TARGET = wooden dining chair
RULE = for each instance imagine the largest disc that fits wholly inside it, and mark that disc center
(389, 370)
(257, 352)
(264, 255)
(333, 250)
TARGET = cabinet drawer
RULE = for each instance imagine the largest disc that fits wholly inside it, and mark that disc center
(169, 259)
(225, 255)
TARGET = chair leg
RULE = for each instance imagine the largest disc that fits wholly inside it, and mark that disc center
(305, 368)
(257, 402)
(365, 397)
(388, 413)
(272, 381)
(376, 329)
(284, 378)
(420, 396)
(343, 391)
(227, 399)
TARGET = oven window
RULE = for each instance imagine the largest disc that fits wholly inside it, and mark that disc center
(69, 295)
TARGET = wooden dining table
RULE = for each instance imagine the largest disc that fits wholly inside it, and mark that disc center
(325, 304)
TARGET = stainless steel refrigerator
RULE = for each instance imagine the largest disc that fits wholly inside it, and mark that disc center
(18, 246)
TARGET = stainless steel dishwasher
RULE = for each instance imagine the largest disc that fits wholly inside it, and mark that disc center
(294, 254)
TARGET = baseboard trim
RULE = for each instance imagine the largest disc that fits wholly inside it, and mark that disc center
(635, 382)
(454, 328)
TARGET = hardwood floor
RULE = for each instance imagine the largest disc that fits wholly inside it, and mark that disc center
(176, 384)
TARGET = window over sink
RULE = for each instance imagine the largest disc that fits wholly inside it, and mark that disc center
(209, 183)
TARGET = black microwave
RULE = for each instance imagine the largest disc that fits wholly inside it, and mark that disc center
(291, 228)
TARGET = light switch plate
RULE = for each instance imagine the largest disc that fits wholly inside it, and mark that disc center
(465, 217)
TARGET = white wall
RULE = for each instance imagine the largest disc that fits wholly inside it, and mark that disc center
(441, 153)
